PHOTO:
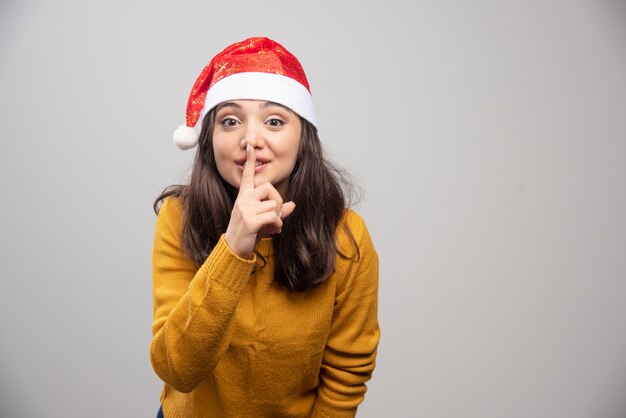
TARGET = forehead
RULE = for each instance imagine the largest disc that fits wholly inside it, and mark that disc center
(249, 104)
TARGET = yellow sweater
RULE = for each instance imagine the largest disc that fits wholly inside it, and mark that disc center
(228, 342)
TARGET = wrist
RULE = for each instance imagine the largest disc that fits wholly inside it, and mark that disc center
(239, 252)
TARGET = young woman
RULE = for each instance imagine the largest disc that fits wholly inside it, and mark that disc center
(264, 283)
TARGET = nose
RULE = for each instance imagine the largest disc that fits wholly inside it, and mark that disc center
(253, 136)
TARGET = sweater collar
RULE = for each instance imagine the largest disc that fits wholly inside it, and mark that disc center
(265, 246)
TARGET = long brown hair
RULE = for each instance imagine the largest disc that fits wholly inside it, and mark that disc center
(306, 248)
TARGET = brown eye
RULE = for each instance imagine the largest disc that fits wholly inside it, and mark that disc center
(229, 122)
(275, 122)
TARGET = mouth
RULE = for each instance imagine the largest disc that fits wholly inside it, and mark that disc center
(258, 163)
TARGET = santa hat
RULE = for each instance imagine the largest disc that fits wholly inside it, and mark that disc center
(257, 68)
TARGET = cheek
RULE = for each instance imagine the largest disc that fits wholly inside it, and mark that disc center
(294, 152)
(287, 155)
(221, 158)
(290, 144)
(220, 147)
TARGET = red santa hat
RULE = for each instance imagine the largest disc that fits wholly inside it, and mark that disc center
(257, 68)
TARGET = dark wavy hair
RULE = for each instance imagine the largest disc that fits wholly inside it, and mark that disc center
(306, 248)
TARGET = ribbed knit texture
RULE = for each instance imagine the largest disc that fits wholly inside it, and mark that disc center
(230, 343)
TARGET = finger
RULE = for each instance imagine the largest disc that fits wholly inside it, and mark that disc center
(267, 192)
(286, 210)
(247, 179)
(269, 219)
(265, 206)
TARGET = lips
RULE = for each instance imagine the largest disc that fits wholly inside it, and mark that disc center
(259, 161)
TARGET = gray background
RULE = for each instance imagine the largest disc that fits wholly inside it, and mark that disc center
(489, 137)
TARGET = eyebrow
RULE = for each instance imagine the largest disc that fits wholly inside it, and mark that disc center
(227, 104)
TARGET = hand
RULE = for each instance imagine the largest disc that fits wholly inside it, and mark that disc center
(256, 211)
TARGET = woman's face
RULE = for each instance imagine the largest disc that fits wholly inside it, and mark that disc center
(271, 129)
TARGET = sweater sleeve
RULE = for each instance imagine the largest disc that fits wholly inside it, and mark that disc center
(192, 307)
(350, 354)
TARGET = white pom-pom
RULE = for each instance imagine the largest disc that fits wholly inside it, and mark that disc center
(186, 137)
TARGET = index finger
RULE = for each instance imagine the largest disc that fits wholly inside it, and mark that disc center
(247, 179)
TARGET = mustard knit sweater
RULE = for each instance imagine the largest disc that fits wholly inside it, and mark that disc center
(228, 342)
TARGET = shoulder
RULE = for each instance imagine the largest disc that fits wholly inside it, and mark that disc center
(354, 223)
(171, 214)
(172, 207)
(352, 231)
(353, 220)
(356, 268)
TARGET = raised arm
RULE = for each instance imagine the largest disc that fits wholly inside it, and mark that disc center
(192, 309)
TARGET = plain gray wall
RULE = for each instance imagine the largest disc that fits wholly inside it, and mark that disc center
(489, 137)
